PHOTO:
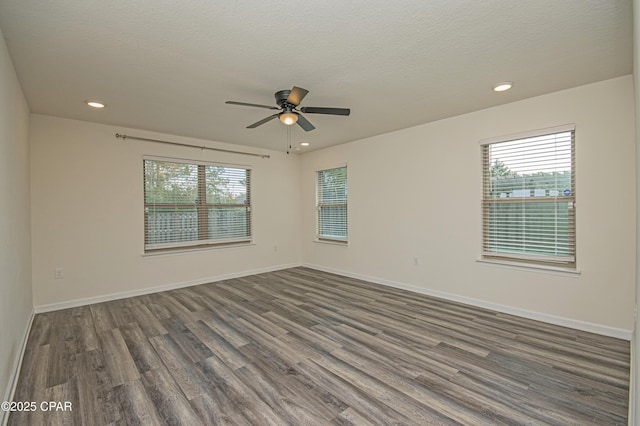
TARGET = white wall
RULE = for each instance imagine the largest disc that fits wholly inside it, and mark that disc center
(634, 393)
(87, 214)
(15, 237)
(416, 193)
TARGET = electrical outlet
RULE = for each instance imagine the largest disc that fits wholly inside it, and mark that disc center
(59, 274)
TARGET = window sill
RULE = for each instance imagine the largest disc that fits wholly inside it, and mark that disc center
(187, 250)
(331, 242)
(555, 270)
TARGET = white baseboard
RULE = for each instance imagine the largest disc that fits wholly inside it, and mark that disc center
(604, 330)
(140, 292)
(17, 365)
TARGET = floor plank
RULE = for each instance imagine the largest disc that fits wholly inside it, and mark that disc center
(299, 346)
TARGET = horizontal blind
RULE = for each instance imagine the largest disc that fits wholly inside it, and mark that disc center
(195, 204)
(332, 204)
(528, 203)
(228, 202)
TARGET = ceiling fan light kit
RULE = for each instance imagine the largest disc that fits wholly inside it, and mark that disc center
(288, 101)
(288, 118)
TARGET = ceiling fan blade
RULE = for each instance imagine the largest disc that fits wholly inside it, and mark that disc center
(261, 122)
(305, 124)
(322, 110)
(251, 105)
(297, 95)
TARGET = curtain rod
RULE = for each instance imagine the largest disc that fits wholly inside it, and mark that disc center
(118, 135)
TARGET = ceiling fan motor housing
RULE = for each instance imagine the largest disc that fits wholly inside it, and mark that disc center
(281, 97)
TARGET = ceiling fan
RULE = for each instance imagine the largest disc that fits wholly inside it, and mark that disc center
(288, 102)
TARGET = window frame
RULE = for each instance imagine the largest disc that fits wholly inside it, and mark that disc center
(320, 204)
(202, 209)
(543, 261)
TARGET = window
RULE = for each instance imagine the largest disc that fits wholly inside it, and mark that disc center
(193, 204)
(332, 204)
(528, 205)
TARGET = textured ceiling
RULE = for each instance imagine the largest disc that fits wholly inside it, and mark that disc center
(169, 66)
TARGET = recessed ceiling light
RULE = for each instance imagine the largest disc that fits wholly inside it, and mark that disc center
(304, 143)
(95, 104)
(501, 87)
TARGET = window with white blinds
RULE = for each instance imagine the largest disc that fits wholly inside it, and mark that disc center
(528, 205)
(332, 204)
(191, 204)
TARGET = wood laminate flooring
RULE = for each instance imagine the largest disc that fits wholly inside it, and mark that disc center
(303, 347)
